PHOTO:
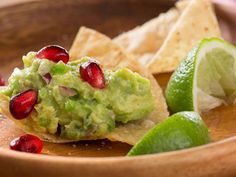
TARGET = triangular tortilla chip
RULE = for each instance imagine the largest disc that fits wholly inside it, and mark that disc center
(144, 41)
(196, 22)
(91, 43)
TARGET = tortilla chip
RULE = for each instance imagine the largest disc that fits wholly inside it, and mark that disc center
(196, 22)
(144, 41)
(91, 43)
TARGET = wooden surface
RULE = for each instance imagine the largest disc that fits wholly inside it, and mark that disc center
(29, 26)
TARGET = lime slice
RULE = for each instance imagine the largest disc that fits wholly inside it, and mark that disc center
(179, 131)
(205, 79)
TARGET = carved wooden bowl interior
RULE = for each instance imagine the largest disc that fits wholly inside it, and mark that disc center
(32, 25)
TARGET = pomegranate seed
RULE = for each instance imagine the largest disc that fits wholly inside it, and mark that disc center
(22, 104)
(27, 143)
(54, 53)
(2, 81)
(92, 73)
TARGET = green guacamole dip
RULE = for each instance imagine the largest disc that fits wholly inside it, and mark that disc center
(73, 109)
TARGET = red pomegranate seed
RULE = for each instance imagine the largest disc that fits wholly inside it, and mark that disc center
(22, 104)
(92, 73)
(54, 53)
(2, 81)
(27, 143)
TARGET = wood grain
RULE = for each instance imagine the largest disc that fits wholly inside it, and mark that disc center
(31, 25)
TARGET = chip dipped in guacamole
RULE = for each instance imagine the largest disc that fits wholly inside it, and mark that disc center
(72, 107)
(63, 99)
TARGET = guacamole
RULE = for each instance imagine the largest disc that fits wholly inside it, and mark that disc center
(69, 107)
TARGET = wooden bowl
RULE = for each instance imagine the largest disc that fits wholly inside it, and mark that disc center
(34, 24)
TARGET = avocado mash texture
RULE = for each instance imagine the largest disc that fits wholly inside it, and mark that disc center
(71, 108)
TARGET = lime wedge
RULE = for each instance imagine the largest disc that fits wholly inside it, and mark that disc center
(205, 79)
(179, 131)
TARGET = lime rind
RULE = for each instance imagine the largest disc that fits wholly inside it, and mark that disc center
(179, 131)
(178, 94)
